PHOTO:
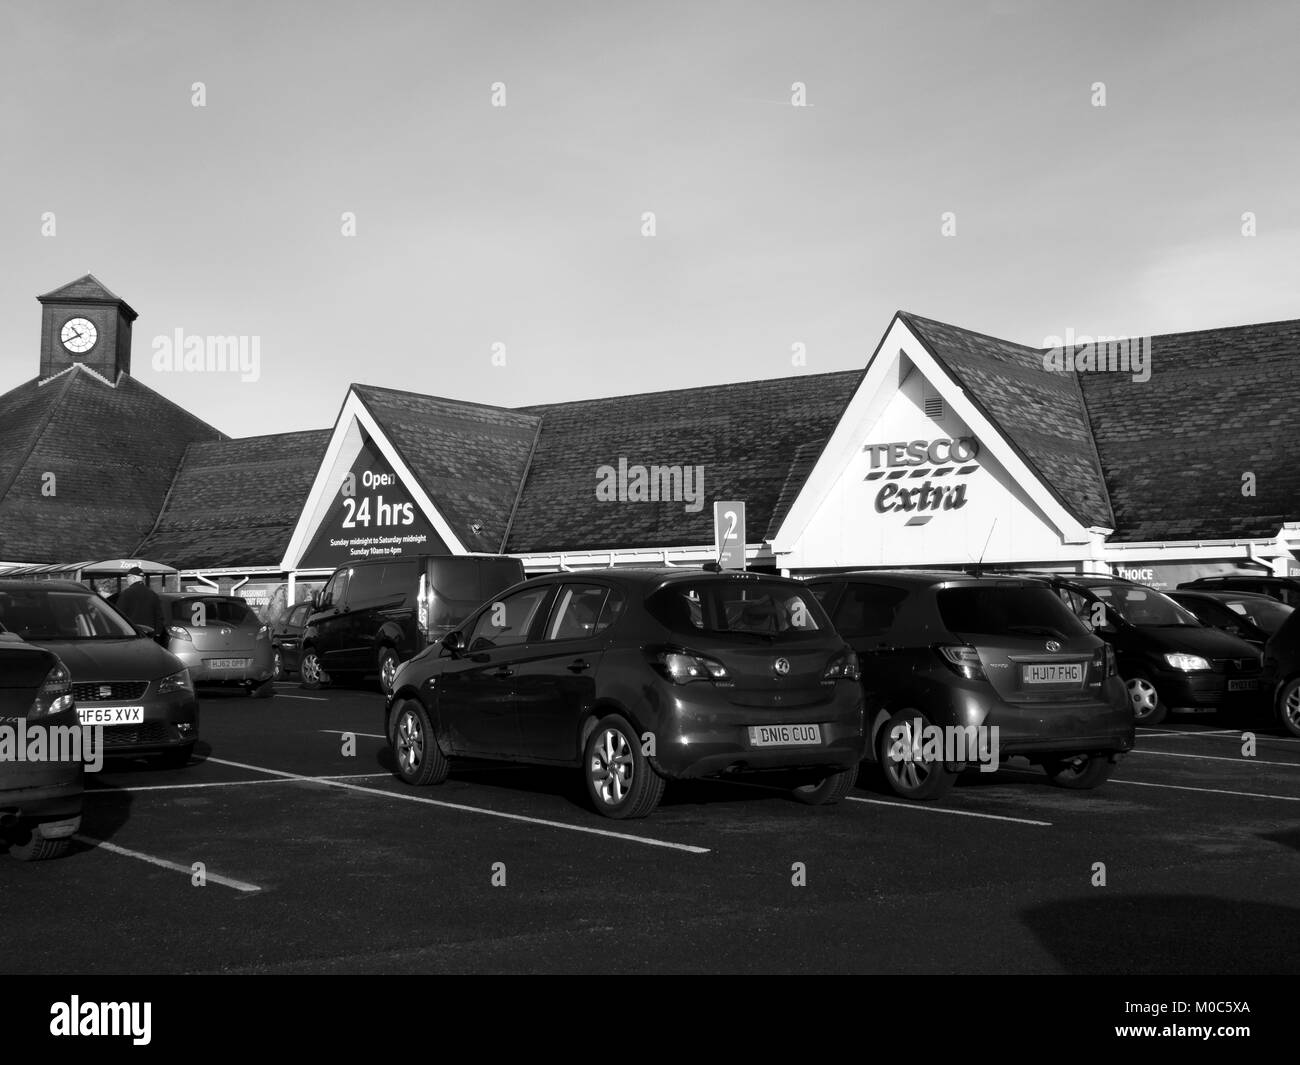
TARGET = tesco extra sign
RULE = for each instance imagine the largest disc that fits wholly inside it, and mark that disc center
(944, 459)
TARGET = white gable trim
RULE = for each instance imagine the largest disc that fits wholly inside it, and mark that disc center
(865, 409)
(346, 437)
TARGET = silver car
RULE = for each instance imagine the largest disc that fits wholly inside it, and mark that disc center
(221, 641)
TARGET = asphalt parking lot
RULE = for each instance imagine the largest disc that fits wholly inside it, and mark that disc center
(316, 859)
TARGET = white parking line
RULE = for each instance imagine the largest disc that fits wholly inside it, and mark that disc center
(1210, 791)
(1153, 733)
(946, 810)
(308, 698)
(216, 878)
(1216, 758)
(233, 783)
(403, 796)
(346, 732)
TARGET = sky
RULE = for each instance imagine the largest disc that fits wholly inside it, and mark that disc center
(801, 162)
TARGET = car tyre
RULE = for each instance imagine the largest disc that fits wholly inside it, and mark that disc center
(175, 757)
(830, 790)
(1288, 706)
(1080, 772)
(34, 848)
(388, 664)
(277, 666)
(1148, 708)
(420, 760)
(310, 670)
(910, 779)
(620, 780)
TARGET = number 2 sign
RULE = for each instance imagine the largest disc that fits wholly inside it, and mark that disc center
(729, 533)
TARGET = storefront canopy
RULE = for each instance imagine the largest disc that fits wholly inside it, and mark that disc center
(75, 571)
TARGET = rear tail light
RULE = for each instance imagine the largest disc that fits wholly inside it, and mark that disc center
(179, 632)
(422, 608)
(843, 666)
(1103, 662)
(963, 660)
(682, 667)
(264, 633)
(55, 694)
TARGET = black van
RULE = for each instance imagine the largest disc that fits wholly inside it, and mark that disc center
(1283, 589)
(372, 616)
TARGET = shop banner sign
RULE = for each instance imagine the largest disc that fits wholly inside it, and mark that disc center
(943, 462)
(372, 515)
(729, 533)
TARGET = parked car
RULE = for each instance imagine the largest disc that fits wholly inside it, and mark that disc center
(1283, 589)
(286, 640)
(40, 802)
(1282, 673)
(1170, 662)
(372, 616)
(121, 679)
(220, 640)
(1248, 615)
(638, 677)
(950, 651)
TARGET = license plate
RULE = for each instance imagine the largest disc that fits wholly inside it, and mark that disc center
(1053, 673)
(785, 735)
(111, 715)
(226, 663)
(1243, 685)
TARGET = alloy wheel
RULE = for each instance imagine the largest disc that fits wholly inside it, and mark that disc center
(611, 767)
(410, 742)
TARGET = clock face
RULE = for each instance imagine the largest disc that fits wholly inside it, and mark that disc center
(78, 335)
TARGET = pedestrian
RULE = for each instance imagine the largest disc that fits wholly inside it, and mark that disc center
(141, 605)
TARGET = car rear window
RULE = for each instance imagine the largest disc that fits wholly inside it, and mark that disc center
(735, 607)
(215, 609)
(1008, 610)
(1268, 614)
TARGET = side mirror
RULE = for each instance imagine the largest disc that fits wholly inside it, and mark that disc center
(147, 631)
(454, 644)
(315, 600)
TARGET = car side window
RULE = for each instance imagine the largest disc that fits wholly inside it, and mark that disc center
(577, 612)
(867, 609)
(507, 621)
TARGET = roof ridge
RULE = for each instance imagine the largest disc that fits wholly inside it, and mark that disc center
(444, 399)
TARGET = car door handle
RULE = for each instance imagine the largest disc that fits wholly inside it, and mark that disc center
(503, 671)
(578, 665)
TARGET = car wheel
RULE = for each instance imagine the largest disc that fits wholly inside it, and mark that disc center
(388, 663)
(1147, 707)
(277, 666)
(420, 760)
(33, 848)
(1079, 772)
(311, 671)
(621, 782)
(175, 758)
(1288, 707)
(831, 790)
(910, 778)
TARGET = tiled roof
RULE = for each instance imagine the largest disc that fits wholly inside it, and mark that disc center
(236, 502)
(1220, 403)
(86, 288)
(1040, 411)
(754, 440)
(470, 457)
(112, 451)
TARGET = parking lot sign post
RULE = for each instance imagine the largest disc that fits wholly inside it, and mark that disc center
(729, 533)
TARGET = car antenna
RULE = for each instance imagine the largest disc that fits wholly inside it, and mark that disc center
(979, 566)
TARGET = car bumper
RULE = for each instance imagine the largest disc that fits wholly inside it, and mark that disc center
(257, 667)
(1208, 692)
(170, 720)
(43, 791)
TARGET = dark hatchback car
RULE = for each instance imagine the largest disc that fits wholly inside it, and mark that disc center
(964, 655)
(638, 677)
(1247, 615)
(1282, 673)
(286, 640)
(373, 615)
(40, 801)
(121, 678)
(1283, 589)
(1170, 662)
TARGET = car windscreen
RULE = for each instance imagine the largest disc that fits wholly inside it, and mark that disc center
(211, 610)
(1018, 611)
(1143, 606)
(1268, 614)
(750, 608)
(41, 614)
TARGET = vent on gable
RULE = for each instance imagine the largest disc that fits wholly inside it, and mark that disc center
(934, 406)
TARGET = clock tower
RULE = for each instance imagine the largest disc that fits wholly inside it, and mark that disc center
(84, 322)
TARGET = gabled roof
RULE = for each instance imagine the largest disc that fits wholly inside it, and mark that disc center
(470, 458)
(741, 434)
(1040, 411)
(112, 450)
(235, 502)
(1220, 403)
(86, 289)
